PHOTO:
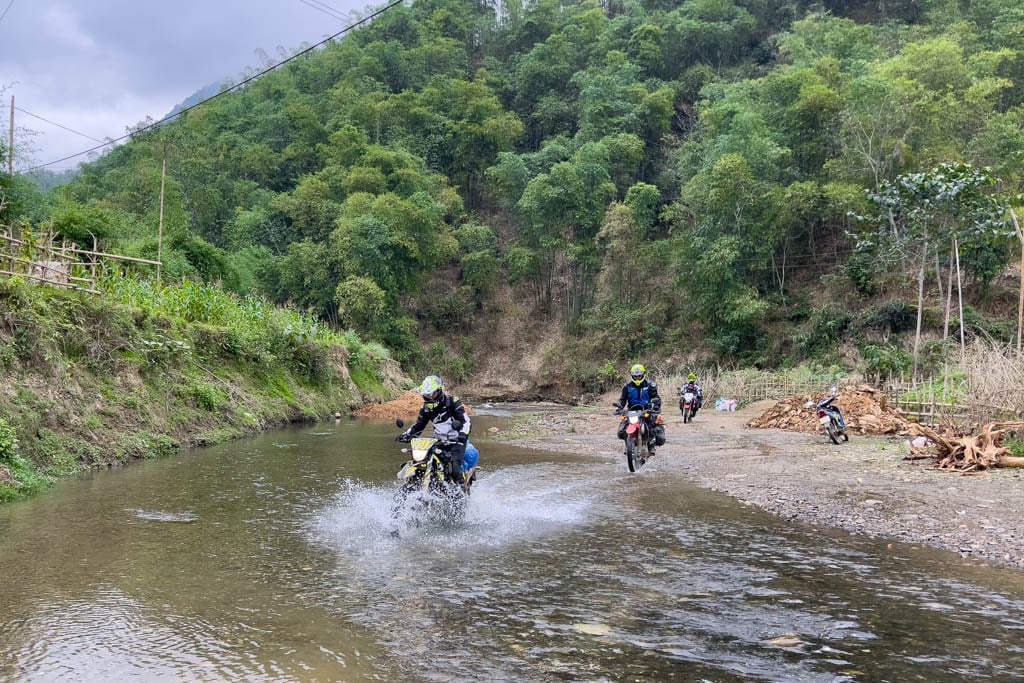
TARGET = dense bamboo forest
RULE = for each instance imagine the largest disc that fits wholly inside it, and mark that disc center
(743, 182)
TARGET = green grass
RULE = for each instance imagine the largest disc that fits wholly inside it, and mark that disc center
(142, 370)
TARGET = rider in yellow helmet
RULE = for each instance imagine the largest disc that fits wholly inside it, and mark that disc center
(448, 416)
(692, 386)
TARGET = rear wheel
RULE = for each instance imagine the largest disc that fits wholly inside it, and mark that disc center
(831, 431)
(633, 457)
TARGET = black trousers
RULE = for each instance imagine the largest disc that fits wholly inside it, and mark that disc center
(456, 453)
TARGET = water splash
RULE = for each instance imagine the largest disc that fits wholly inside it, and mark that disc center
(162, 516)
(507, 506)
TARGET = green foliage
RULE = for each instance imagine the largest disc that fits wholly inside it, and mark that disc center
(1016, 447)
(859, 268)
(745, 132)
(826, 326)
(8, 440)
(882, 361)
(891, 316)
(205, 396)
(453, 364)
(18, 477)
(361, 304)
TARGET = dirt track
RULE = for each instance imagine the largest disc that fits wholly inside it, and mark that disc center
(864, 486)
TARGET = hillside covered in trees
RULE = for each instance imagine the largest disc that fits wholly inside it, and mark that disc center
(586, 183)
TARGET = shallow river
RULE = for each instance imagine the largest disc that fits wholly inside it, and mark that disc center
(269, 559)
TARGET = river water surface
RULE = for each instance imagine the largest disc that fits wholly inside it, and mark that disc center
(270, 559)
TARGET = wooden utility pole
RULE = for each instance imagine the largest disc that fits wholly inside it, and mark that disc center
(160, 228)
(10, 144)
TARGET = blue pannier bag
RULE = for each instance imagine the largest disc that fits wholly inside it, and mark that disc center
(470, 458)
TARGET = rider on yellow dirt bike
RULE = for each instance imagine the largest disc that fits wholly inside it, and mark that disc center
(640, 391)
(447, 414)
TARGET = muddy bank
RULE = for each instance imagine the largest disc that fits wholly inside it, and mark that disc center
(864, 486)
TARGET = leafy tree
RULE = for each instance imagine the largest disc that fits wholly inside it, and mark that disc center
(361, 304)
(944, 207)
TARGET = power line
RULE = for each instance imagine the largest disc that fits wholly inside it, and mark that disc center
(236, 86)
(326, 9)
(5, 11)
(54, 123)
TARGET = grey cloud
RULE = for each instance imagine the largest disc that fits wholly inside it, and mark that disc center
(109, 63)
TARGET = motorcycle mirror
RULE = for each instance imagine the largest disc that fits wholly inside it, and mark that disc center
(809, 404)
(399, 423)
(834, 390)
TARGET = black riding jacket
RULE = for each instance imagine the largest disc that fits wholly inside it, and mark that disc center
(447, 414)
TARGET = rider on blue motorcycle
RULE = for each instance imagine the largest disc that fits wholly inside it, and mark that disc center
(447, 414)
(643, 392)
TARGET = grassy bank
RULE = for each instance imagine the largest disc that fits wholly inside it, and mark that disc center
(91, 381)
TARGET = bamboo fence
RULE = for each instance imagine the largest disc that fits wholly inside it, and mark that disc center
(62, 265)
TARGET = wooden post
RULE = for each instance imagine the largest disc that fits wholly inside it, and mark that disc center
(160, 229)
(1020, 304)
(920, 304)
(92, 269)
(959, 295)
(10, 145)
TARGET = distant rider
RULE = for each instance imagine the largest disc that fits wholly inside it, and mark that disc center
(641, 391)
(692, 386)
(447, 414)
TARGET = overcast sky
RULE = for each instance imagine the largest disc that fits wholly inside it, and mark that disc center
(99, 66)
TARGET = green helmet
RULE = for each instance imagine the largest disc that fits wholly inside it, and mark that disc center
(638, 372)
(432, 388)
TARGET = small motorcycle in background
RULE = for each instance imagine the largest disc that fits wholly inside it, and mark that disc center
(830, 417)
(687, 400)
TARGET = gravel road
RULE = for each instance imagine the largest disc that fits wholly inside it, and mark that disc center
(864, 486)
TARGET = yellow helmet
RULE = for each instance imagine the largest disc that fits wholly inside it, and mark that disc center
(638, 372)
(691, 377)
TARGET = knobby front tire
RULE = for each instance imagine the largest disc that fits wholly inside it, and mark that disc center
(633, 453)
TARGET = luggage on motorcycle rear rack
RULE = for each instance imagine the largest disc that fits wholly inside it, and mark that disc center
(471, 457)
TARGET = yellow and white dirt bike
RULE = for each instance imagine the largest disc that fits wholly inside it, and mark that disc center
(424, 494)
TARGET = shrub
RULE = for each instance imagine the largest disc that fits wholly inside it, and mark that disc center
(826, 326)
(891, 316)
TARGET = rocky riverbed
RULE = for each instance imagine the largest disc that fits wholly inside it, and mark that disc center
(864, 486)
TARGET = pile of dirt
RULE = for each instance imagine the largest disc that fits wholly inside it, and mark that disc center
(865, 409)
(406, 406)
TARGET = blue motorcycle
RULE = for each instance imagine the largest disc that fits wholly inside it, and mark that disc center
(831, 417)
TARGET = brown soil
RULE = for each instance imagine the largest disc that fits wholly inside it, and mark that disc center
(864, 486)
(865, 411)
(406, 406)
